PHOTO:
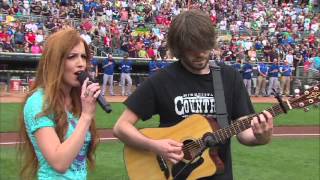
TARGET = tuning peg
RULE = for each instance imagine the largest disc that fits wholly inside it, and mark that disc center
(306, 109)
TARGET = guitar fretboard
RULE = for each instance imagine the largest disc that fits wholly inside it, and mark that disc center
(242, 124)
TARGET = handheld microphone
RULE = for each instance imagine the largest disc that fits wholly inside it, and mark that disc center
(101, 100)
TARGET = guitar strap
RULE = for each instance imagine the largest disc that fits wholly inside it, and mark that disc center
(221, 110)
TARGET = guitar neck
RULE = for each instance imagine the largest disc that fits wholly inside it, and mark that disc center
(244, 123)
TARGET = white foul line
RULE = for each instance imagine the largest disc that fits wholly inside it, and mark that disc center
(10, 143)
(296, 135)
(19, 142)
(106, 139)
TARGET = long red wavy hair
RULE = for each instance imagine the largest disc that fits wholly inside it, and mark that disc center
(49, 77)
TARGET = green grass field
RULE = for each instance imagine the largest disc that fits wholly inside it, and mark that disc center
(9, 113)
(283, 159)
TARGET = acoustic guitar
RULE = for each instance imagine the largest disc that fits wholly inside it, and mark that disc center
(197, 133)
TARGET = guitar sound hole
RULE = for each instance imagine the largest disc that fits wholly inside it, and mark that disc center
(190, 149)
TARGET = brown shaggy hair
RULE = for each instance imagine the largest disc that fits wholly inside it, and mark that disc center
(191, 30)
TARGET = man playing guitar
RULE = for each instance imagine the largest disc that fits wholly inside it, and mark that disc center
(185, 88)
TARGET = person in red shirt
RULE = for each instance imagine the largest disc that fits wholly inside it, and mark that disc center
(150, 51)
(30, 38)
(7, 46)
(312, 39)
(87, 25)
(3, 35)
(289, 25)
(107, 41)
(159, 19)
(124, 14)
(131, 49)
(167, 21)
(213, 19)
(112, 27)
(233, 47)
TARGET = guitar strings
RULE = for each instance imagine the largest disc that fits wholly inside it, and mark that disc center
(194, 151)
(195, 146)
(221, 133)
(191, 147)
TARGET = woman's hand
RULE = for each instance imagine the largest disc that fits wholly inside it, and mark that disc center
(89, 93)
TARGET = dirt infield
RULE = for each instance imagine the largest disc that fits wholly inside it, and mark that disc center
(106, 134)
(7, 97)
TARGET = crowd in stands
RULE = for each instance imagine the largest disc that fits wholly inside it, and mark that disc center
(248, 30)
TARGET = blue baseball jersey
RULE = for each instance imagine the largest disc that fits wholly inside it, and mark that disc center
(247, 71)
(237, 66)
(273, 71)
(286, 70)
(153, 67)
(125, 66)
(108, 66)
(263, 68)
(162, 64)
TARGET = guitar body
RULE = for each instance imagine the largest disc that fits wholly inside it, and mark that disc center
(142, 164)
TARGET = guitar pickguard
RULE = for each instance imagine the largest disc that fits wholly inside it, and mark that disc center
(185, 169)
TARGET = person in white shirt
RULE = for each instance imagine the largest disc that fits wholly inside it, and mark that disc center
(86, 37)
(223, 25)
(272, 27)
(26, 7)
(289, 58)
(108, 14)
(314, 26)
(39, 37)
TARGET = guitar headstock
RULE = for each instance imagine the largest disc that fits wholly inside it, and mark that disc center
(308, 97)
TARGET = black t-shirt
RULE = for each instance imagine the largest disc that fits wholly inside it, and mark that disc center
(174, 93)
